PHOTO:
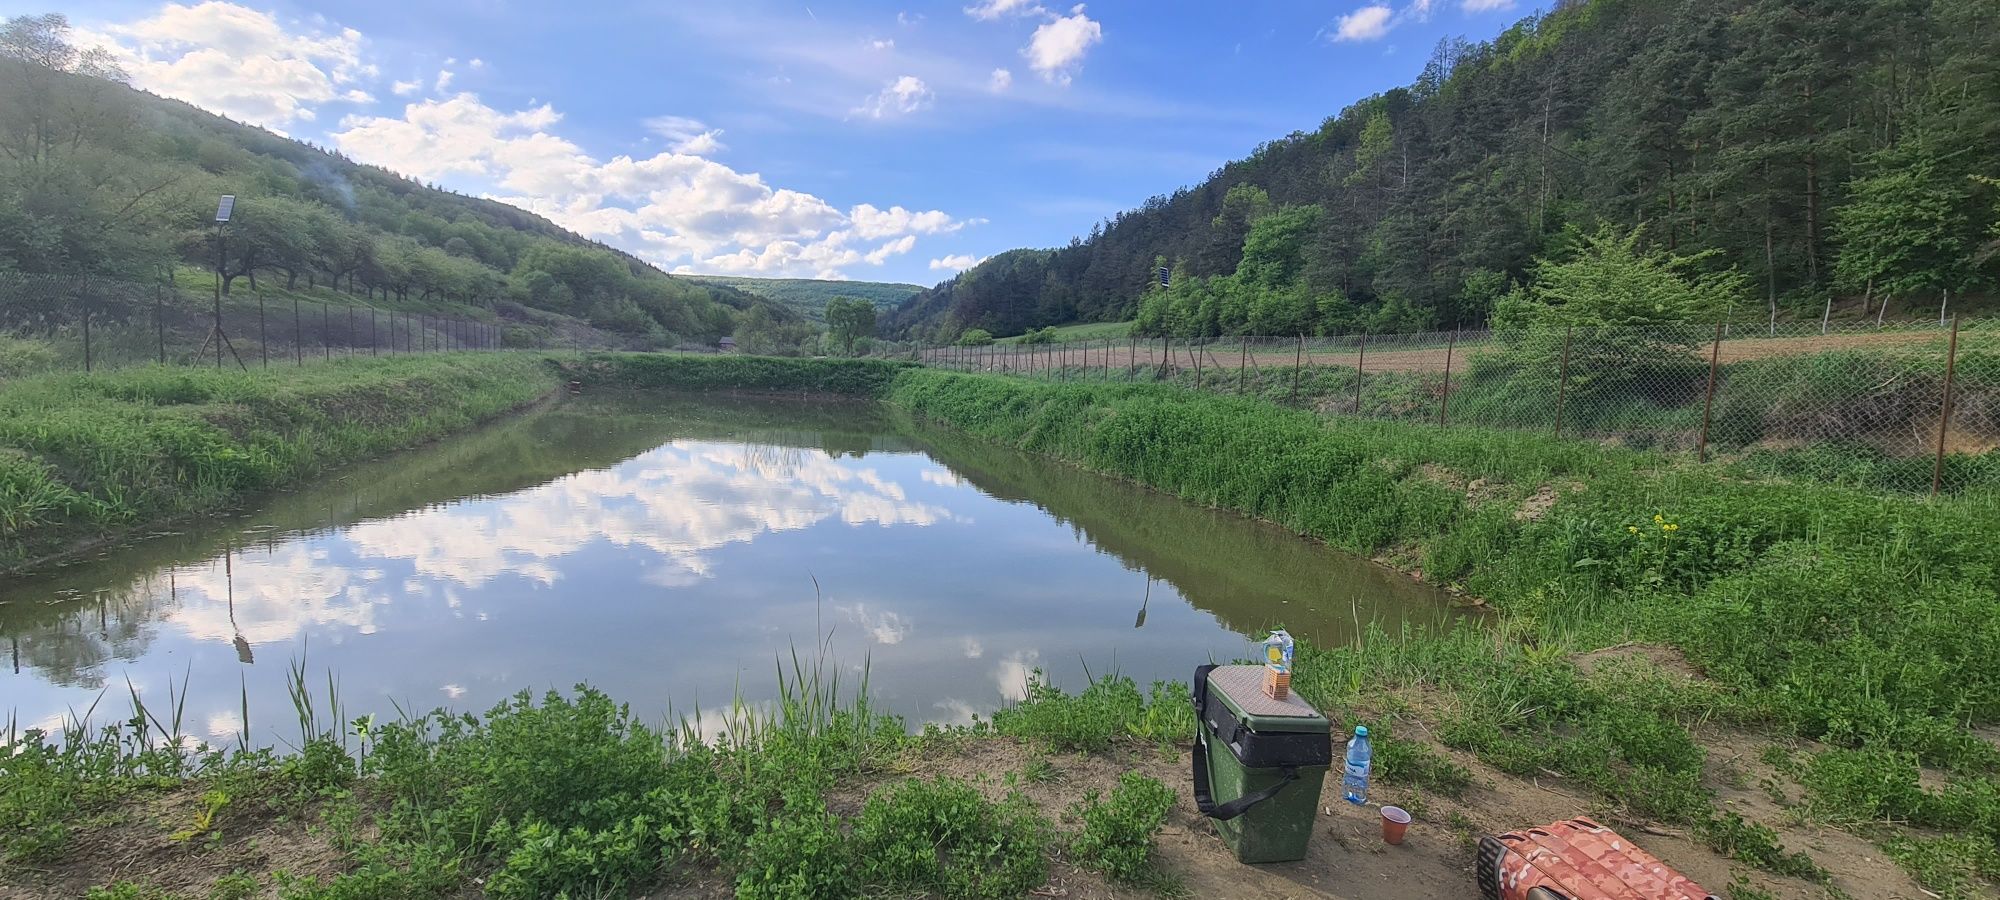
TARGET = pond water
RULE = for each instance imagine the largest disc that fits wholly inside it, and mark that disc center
(671, 552)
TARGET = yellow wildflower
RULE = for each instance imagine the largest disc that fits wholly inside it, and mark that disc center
(1659, 520)
(1671, 527)
(1632, 528)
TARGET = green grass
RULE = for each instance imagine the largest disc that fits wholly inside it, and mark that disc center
(733, 372)
(86, 455)
(1087, 331)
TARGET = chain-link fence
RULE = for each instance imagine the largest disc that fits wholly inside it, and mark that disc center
(89, 324)
(1905, 408)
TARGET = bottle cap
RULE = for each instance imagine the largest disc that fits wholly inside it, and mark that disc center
(1360, 731)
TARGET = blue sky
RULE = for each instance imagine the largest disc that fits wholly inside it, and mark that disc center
(872, 140)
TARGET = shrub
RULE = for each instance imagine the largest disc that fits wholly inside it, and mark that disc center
(799, 853)
(1109, 709)
(942, 835)
(1117, 834)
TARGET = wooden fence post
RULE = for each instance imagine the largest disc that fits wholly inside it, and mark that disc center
(1298, 363)
(1444, 402)
(1708, 404)
(1243, 364)
(1562, 380)
(1944, 414)
(1360, 372)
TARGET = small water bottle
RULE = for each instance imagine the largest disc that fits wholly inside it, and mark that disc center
(1360, 758)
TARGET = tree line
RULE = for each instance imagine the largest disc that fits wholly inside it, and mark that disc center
(1828, 151)
(98, 179)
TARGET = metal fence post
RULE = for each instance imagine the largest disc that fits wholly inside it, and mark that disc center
(325, 332)
(1708, 404)
(1298, 365)
(263, 333)
(160, 321)
(1444, 402)
(1132, 358)
(1360, 371)
(298, 335)
(86, 335)
(374, 342)
(1944, 414)
(1562, 380)
(1243, 365)
(350, 329)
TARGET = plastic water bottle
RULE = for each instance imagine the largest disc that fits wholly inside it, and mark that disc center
(1360, 758)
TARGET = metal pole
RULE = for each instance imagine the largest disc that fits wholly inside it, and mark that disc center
(160, 321)
(325, 331)
(1708, 404)
(1243, 364)
(1360, 372)
(263, 333)
(1132, 358)
(350, 330)
(1562, 380)
(374, 344)
(1199, 344)
(86, 331)
(1944, 415)
(1298, 362)
(221, 261)
(298, 334)
(1444, 402)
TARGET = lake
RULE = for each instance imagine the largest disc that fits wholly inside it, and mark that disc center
(671, 552)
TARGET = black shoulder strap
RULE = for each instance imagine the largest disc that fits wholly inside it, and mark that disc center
(1204, 798)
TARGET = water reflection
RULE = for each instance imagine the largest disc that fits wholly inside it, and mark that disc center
(669, 553)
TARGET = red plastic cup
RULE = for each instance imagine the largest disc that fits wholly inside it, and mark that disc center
(1395, 821)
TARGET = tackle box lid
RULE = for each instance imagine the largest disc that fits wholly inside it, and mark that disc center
(1241, 688)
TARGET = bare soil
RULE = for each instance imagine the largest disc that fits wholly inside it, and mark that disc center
(138, 842)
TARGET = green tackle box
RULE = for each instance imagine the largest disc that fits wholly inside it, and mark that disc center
(1258, 763)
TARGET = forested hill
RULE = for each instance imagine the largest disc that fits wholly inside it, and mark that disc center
(810, 295)
(1823, 148)
(97, 178)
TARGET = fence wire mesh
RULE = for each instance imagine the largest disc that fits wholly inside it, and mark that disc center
(87, 324)
(1907, 408)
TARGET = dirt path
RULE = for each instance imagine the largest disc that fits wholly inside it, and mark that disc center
(1117, 358)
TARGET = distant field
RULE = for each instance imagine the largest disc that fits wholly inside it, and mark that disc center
(810, 296)
(1088, 331)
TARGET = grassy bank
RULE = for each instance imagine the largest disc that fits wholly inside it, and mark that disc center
(1865, 626)
(85, 456)
(748, 374)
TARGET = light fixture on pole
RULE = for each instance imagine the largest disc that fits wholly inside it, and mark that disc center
(223, 209)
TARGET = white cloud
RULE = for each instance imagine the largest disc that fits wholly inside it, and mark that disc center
(477, 63)
(1000, 80)
(687, 135)
(907, 19)
(443, 81)
(988, 10)
(881, 43)
(1058, 46)
(957, 262)
(870, 222)
(675, 209)
(238, 61)
(405, 88)
(1475, 6)
(1365, 24)
(897, 247)
(903, 96)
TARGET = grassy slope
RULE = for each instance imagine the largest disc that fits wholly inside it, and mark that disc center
(1087, 331)
(810, 295)
(83, 456)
